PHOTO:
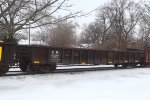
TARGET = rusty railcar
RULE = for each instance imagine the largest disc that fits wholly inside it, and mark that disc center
(96, 57)
(36, 58)
(146, 60)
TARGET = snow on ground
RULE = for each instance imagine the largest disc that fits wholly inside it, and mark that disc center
(81, 66)
(129, 84)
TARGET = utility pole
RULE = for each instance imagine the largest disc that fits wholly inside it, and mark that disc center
(29, 32)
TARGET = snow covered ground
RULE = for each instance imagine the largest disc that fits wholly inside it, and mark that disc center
(130, 84)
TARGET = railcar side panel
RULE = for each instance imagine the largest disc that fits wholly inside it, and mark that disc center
(91, 57)
(84, 57)
(76, 57)
(7, 56)
(67, 56)
(104, 57)
(116, 57)
(147, 56)
(40, 55)
(121, 57)
(98, 57)
(131, 56)
(110, 58)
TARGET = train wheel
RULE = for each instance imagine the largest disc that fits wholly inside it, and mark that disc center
(43, 69)
(49, 68)
(116, 66)
(134, 65)
(141, 65)
(32, 68)
(53, 67)
(23, 65)
(124, 65)
(40, 69)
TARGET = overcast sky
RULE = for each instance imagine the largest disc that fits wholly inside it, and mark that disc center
(86, 6)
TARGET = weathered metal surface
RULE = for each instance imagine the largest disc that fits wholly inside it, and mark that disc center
(7, 56)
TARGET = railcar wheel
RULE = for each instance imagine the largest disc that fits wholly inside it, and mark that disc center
(53, 67)
(32, 68)
(116, 66)
(40, 69)
(141, 65)
(124, 65)
(23, 65)
(43, 69)
(135, 65)
(49, 68)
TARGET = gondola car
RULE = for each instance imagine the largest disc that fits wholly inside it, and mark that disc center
(37, 58)
(96, 57)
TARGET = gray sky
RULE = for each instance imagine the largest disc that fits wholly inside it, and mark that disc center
(86, 6)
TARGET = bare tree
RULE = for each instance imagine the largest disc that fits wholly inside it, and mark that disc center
(116, 22)
(126, 17)
(16, 15)
(62, 34)
(144, 31)
(104, 19)
(91, 34)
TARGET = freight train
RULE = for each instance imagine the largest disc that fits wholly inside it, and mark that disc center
(38, 58)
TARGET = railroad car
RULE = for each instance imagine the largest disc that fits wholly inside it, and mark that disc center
(37, 58)
(96, 57)
(146, 60)
(7, 51)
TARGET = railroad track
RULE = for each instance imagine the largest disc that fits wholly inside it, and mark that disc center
(73, 70)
